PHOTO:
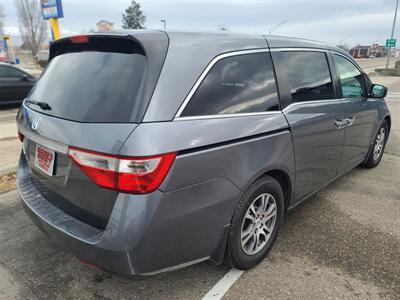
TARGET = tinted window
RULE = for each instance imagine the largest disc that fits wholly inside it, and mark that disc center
(351, 79)
(9, 72)
(3, 71)
(308, 75)
(237, 84)
(14, 72)
(91, 86)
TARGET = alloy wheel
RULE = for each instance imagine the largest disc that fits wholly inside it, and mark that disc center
(379, 143)
(258, 224)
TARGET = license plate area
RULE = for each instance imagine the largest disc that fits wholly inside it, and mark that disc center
(44, 159)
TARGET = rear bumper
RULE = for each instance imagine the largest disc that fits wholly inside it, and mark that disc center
(79, 238)
(146, 234)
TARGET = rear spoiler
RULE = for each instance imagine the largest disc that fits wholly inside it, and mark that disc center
(103, 43)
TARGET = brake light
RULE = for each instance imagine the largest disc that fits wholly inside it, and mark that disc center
(79, 39)
(21, 137)
(134, 175)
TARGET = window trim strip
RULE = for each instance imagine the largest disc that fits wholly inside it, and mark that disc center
(205, 73)
(307, 103)
(203, 117)
(288, 49)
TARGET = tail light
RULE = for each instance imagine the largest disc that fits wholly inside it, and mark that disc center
(21, 136)
(79, 39)
(134, 175)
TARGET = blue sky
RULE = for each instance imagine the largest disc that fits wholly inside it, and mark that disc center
(332, 21)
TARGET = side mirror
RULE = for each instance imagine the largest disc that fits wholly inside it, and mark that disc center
(378, 91)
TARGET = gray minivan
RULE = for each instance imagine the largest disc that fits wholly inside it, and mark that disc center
(145, 151)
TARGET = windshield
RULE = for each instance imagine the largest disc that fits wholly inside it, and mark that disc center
(90, 86)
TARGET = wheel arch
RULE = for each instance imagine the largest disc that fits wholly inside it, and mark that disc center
(388, 120)
(282, 176)
(284, 181)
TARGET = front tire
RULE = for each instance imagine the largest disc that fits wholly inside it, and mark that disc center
(255, 224)
(378, 147)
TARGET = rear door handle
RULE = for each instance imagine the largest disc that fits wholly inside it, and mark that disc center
(350, 120)
(342, 123)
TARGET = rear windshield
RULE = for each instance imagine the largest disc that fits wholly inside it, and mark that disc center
(91, 86)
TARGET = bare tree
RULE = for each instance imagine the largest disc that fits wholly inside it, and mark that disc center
(31, 25)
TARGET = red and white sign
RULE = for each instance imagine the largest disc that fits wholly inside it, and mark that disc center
(44, 159)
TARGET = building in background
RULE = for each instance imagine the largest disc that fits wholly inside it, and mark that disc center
(104, 26)
(368, 51)
(378, 51)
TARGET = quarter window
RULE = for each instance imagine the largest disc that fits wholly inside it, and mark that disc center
(308, 75)
(351, 79)
(237, 84)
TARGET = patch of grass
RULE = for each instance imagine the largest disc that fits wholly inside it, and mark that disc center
(7, 182)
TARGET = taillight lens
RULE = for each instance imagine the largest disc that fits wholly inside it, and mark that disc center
(21, 137)
(79, 39)
(135, 175)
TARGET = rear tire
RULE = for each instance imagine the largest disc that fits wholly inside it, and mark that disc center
(255, 224)
(378, 146)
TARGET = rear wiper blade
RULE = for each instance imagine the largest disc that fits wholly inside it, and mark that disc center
(42, 105)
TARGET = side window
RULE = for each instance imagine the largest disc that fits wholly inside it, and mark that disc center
(308, 75)
(9, 72)
(3, 72)
(351, 79)
(237, 84)
(14, 73)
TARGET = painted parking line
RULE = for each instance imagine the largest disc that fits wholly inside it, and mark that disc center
(393, 97)
(223, 285)
(8, 115)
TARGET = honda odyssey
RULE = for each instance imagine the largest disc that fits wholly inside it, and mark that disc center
(146, 151)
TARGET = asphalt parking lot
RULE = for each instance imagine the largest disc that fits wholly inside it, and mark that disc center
(344, 242)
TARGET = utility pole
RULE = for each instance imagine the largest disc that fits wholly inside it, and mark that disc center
(165, 23)
(391, 36)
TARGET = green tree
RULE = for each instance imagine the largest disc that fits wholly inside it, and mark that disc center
(133, 18)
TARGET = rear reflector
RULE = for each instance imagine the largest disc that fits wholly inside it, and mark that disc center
(79, 39)
(93, 266)
(134, 175)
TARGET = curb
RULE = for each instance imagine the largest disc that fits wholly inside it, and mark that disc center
(8, 169)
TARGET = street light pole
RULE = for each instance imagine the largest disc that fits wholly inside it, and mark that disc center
(391, 36)
(165, 24)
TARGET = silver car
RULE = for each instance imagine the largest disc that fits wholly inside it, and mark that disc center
(146, 151)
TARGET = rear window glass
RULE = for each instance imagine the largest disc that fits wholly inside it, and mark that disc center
(91, 86)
